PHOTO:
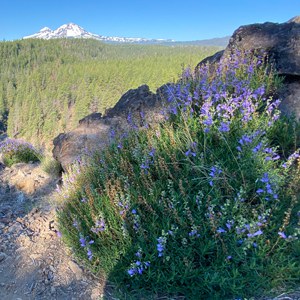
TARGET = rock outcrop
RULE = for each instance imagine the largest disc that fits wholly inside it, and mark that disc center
(139, 107)
(136, 108)
(281, 43)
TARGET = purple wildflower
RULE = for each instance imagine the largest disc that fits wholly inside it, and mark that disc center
(138, 254)
(224, 127)
(221, 230)
(145, 167)
(257, 233)
(152, 152)
(214, 172)
(75, 224)
(138, 267)
(194, 232)
(189, 152)
(131, 272)
(260, 91)
(82, 241)
(271, 154)
(99, 226)
(265, 178)
(161, 246)
(257, 148)
(291, 159)
(229, 224)
(89, 254)
(282, 234)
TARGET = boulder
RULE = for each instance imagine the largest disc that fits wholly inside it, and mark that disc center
(281, 42)
(135, 109)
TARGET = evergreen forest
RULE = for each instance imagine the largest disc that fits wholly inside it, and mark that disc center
(46, 87)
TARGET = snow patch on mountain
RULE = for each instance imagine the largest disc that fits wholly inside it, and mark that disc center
(72, 30)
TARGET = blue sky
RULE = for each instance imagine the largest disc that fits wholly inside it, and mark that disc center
(179, 20)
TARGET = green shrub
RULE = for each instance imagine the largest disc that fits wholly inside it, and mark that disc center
(16, 151)
(201, 206)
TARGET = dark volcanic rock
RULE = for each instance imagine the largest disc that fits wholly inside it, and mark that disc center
(136, 108)
(290, 94)
(211, 60)
(281, 42)
(135, 100)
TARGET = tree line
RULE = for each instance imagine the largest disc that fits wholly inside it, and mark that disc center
(47, 86)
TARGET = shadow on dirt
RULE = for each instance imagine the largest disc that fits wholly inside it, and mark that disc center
(34, 263)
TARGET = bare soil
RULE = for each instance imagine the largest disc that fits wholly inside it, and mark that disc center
(34, 263)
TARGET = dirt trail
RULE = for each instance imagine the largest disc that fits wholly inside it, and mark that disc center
(34, 264)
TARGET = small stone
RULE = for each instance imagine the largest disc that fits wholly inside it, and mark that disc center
(53, 290)
(20, 220)
(14, 228)
(95, 294)
(35, 256)
(52, 269)
(21, 249)
(75, 269)
(5, 220)
(3, 256)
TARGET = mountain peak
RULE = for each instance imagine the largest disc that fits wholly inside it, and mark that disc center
(44, 29)
(72, 30)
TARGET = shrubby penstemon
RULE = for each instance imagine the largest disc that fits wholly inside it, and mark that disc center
(16, 151)
(205, 204)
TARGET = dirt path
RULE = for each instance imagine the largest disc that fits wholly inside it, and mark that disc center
(34, 264)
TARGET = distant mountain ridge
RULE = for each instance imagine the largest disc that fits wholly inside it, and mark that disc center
(72, 30)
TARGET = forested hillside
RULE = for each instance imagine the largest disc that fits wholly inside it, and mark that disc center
(47, 86)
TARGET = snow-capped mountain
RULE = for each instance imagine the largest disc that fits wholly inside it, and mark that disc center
(72, 30)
